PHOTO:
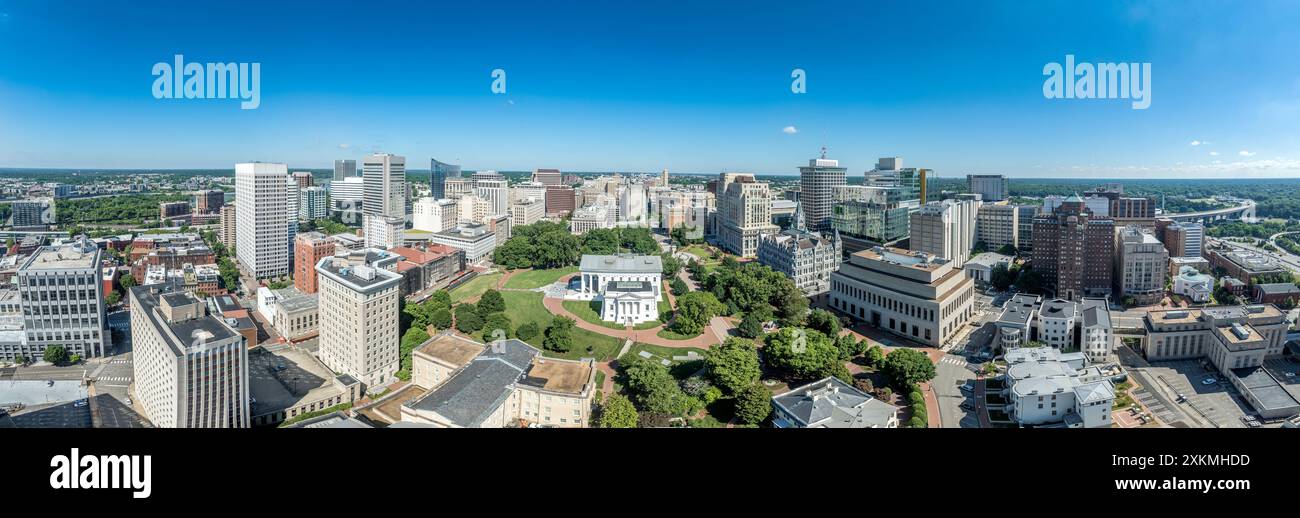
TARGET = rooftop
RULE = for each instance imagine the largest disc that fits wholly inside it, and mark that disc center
(450, 349)
(622, 263)
(63, 257)
(831, 403)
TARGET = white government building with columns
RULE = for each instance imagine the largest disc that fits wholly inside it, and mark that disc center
(628, 286)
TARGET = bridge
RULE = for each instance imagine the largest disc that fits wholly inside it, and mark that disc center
(1246, 210)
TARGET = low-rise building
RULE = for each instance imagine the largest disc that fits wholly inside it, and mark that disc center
(831, 403)
(912, 294)
(1235, 340)
(981, 266)
(288, 382)
(1193, 285)
(597, 271)
(1045, 387)
(506, 384)
(1284, 294)
(805, 257)
(473, 238)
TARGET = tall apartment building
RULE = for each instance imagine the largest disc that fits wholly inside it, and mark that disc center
(889, 172)
(227, 230)
(262, 219)
(1098, 206)
(817, 182)
(173, 209)
(439, 172)
(805, 257)
(744, 213)
(190, 368)
(912, 294)
(63, 301)
(309, 249)
(997, 226)
(548, 177)
(1126, 209)
(689, 209)
(632, 204)
(990, 187)
(303, 179)
(209, 201)
(527, 211)
(312, 203)
(1141, 266)
(32, 213)
(1074, 250)
(344, 169)
(358, 320)
(291, 204)
(435, 215)
(946, 229)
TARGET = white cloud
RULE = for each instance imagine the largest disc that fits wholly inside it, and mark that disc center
(789, 130)
(345, 146)
(1198, 143)
(1245, 153)
(1214, 153)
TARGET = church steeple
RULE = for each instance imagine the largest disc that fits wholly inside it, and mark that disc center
(798, 217)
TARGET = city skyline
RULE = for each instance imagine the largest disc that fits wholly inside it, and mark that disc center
(967, 99)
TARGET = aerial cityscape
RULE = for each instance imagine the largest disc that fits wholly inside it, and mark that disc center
(920, 224)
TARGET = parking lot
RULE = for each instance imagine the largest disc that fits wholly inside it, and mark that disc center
(1216, 403)
(57, 415)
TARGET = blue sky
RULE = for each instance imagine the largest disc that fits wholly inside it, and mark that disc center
(689, 86)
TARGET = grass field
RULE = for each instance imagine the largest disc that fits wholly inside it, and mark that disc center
(586, 310)
(665, 333)
(532, 279)
(474, 287)
(526, 306)
(661, 352)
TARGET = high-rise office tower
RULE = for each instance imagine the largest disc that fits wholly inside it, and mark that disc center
(560, 200)
(889, 172)
(1184, 239)
(632, 204)
(190, 368)
(744, 213)
(548, 176)
(62, 301)
(384, 202)
(438, 174)
(945, 229)
(291, 194)
(358, 320)
(262, 218)
(494, 189)
(817, 183)
(1074, 251)
(344, 169)
(990, 187)
(384, 185)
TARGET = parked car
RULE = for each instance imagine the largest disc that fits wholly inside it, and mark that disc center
(967, 387)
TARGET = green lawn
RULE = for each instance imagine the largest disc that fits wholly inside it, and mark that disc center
(537, 278)
(586, 310)
(667, 334)
(661, 352)
(474, 287)
(526, 306)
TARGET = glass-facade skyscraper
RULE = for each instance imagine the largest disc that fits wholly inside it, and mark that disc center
(439, 173)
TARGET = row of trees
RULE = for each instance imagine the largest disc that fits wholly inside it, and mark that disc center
(550, 245)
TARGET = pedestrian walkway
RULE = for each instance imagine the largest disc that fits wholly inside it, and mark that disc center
(649, 336)
(954, 360)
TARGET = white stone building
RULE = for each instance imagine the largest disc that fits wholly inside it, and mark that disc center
(358, 320)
